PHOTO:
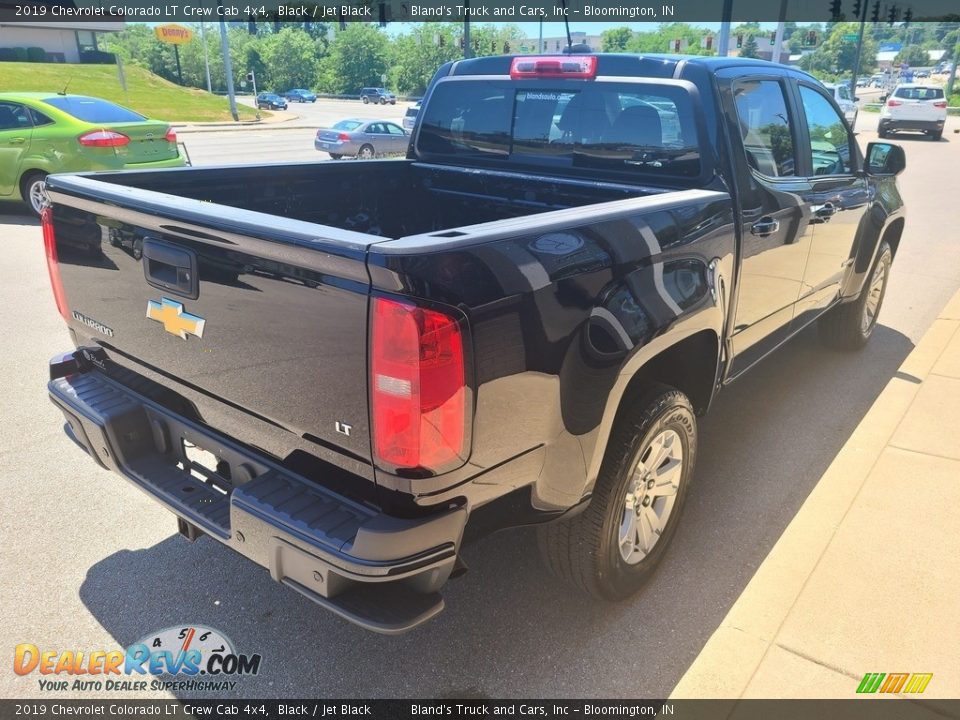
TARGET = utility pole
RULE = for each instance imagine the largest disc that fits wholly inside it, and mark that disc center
(953, 71)
(227, 68)
(467, 50)
(723, 45)
(778, 38)
(856, 58)
(206, 57)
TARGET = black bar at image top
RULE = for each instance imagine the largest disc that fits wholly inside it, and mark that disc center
(478, 11)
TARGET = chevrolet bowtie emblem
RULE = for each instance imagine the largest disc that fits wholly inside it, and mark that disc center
(174, 319)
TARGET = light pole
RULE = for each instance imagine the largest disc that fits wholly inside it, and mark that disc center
(206, 57)
(227, 68)
(856, 58)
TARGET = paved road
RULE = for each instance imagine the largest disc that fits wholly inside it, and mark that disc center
(90, 563)
(291, 140)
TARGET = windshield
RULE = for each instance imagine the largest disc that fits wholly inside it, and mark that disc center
(93, 110)
(347, 125)
(624, 127)
(919, 93)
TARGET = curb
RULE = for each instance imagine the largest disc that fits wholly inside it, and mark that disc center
(188, 127)
(726, 665)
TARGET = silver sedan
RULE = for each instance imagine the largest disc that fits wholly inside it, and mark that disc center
(362, 138)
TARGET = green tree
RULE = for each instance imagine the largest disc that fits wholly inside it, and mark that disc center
(416, 56)
(912, 55)
(358, 57)
(291, 58)
(835, 56)
(615, 39)
(749, 49)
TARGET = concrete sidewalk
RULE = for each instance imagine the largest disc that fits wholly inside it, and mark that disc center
(866, 578)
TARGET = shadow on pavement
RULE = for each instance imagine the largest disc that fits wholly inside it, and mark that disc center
(16, 213)
(510, 630)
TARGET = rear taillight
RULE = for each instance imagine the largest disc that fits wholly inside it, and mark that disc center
(418, 388)
(894, 103)
(103, 138)
(571, 66)
(343, 136)
(171, 136)
(940, 104)
(53, 263)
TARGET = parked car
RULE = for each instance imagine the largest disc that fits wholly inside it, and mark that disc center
(43, 133)
(410, 116)
(377, 95)
(271, 101)
(915, 107)
(847, 102)
(863, 81)
(517, 324)
(361, 138)
(301, 96)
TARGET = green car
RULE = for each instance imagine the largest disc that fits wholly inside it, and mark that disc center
(43, 133)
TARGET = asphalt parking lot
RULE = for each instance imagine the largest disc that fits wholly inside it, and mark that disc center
(90, 563)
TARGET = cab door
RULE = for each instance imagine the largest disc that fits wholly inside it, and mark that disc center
(16, 131)
(775, 216)
(838, 196)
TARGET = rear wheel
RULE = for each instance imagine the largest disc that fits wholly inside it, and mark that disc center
(366, 100)
(34, 192)
(937, 135)
(366, 152)
(612, 547)
(383, 101)
(335, 156)
(850, 326)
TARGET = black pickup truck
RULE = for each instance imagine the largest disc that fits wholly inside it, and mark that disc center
(345, 371)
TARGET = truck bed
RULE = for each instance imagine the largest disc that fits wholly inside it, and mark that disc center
(389, 199)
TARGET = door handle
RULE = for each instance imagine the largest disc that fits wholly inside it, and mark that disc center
(18, 141)
(171, 267)
(825, 211)
(765, 226)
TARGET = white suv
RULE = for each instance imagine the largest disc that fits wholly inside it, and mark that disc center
(914, 107)
(847, 103)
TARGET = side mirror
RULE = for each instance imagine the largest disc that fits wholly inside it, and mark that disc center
(885, 159)
(856, 99)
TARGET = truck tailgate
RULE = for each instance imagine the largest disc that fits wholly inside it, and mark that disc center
(257, 312)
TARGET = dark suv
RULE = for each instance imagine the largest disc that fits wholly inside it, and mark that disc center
(377, 95)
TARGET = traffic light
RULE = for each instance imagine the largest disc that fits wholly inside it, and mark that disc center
(835, 8)
(249, 77)
(506, 48)
(812, 37)
(907, 17)
(875, 15)
(857, 7)
(773, 37)
(251, 25)
(892, 14)
(382, 14)
(739, 41)
(462, 47)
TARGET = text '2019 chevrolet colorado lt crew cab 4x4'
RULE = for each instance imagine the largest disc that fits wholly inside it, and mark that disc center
(346, 371)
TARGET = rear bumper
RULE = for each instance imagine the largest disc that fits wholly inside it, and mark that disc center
(894, 124)
(380, 572)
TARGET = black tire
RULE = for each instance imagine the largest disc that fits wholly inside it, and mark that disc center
(137, 250)
(383, 101)
(335, 156)
(585, 550)
(26, 185)
(366, 100)
(936, 136)
(843, 327)
(883, 134)
(366, 149)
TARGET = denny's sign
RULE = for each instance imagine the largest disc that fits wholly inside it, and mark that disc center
(173, 34)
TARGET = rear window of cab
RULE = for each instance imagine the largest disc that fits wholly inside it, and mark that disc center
(619, 127)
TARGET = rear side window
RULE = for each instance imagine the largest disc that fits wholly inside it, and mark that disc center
(13, 116)
(94, 110)
(919, 93)
(765, 127)
(622, 127)
(347, 125)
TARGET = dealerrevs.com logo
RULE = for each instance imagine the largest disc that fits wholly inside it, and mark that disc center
(191, 658)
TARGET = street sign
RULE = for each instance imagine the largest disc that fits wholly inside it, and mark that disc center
(850, 38)
(173, 34)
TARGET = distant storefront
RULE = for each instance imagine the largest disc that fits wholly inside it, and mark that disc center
(61, 42)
